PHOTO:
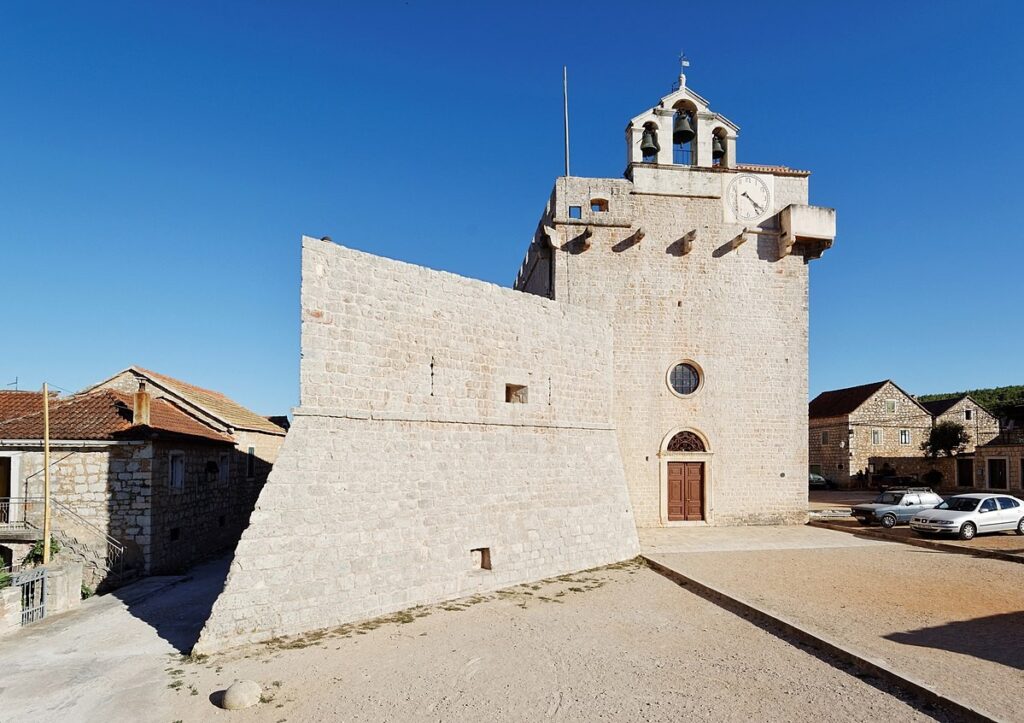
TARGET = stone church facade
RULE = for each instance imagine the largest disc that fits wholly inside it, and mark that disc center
(455, 437)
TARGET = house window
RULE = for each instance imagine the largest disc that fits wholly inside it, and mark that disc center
(890, 406)
(824, 437)
(575, 211)
(684, 378)
(175, 534)
(223, 469)
(598, 205)
(250, 463)
(904, 436)
(968, 414)
(876, 436)
(176, 471)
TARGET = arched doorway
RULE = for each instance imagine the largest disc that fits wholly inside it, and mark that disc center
(685, 477)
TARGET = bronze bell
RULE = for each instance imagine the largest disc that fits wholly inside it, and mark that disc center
(682, 131)
(717, 149)
(649, 142)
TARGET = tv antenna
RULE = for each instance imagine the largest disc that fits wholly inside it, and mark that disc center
(13, 384)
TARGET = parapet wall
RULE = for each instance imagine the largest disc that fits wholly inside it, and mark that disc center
(416, 445)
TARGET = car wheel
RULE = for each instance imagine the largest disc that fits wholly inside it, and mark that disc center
(888, 521)
(968, 531)
(1020, 526)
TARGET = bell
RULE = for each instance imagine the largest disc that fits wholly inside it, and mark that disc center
(682, 131)
(717, 150)
(649, 142)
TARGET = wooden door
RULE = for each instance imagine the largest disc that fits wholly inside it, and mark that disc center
(997, 474)
(685, 491)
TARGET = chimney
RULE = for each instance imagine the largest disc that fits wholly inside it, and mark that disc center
(140, 412)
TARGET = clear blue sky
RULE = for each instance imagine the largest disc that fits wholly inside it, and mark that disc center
(159, 162)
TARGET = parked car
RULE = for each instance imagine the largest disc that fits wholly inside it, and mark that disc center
(817, 482)
(896, 505)
(971, 514)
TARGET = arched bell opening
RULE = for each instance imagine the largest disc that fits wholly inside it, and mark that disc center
(720, 148)
(687, 495)
(649, 146)
(684, 132)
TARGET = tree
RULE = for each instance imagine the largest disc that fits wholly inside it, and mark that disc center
(946, 438)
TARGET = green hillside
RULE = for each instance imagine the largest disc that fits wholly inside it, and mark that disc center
(996, 399)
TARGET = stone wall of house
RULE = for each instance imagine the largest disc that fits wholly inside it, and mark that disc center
(982, 427)
(405, 458)
(917, 467)
(828, 448)
(107, 486)
(1014, 456)
(695, 289)
(208, 512)
(874, 416)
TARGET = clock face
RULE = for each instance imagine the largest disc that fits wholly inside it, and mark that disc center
(749, 197)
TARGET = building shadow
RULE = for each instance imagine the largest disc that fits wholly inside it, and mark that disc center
(177, 609)
(997, 638)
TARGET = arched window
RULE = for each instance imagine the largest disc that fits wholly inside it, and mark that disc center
(598, 205)
(685, 442)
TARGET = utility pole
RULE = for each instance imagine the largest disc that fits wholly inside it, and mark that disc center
(46, 474)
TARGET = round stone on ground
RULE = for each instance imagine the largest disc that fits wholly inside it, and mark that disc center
(241, 694)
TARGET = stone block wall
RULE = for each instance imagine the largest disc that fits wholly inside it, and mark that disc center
(874, 415)
(1014, 456)
(982, 428)
(738, 312)
(828, 446)
(405, 456)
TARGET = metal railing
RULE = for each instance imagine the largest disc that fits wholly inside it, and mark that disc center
(26, 513)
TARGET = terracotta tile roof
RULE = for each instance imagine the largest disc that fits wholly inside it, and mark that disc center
(218, 405)
(18, 404)
(941, 406)
(840, 402)
(105, 414)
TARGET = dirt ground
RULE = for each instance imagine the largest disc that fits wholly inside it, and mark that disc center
(955, 622)
(615, 644)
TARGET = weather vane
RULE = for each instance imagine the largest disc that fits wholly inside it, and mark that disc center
(684, 63)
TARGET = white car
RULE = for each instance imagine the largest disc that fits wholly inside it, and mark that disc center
(969, 515)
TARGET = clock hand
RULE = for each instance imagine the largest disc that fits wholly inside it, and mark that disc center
(757, 206)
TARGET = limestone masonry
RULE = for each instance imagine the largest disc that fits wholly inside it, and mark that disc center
(454, 436)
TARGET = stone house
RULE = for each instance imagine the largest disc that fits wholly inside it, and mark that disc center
(648, 369)
(999, 463)
(848, 428)
(138, 482)
(982, 426)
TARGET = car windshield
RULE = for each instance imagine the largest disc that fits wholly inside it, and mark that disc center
(889, 498)
(959, 504)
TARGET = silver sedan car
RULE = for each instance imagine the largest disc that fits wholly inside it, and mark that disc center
(971, 514)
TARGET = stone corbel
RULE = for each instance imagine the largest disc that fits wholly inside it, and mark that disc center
(639, 234)
(739, 239)
(550, 236)
(586, 236)
(686, 242)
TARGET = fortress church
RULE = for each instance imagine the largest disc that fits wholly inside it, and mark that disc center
(648, 369)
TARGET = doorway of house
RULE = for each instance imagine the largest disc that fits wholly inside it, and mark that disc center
(686, 491)
(965, 472)
(5, 489)
(997, 474)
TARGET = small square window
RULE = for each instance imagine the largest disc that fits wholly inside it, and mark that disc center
(904, 436)
(516, 394)
(968, 414)
(890, 406)
(824, 437)
(575, 211)
(176, 470)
